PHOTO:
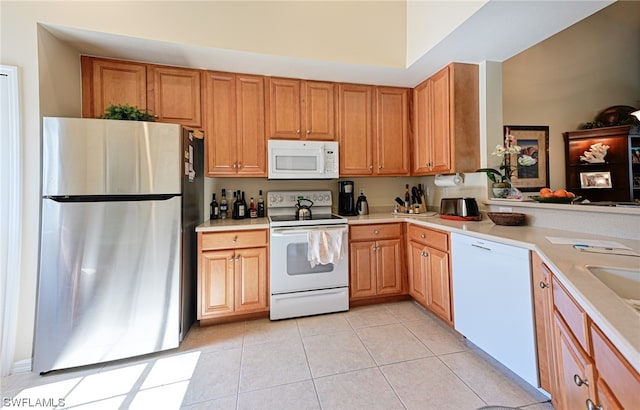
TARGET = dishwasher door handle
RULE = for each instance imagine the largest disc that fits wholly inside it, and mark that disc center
(481, 247)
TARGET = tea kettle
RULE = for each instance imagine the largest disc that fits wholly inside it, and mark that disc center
(362, 206)
(303, 211)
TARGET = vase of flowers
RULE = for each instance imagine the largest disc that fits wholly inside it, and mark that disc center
(501, 178)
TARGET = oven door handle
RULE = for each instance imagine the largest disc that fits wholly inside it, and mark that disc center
(303, 231)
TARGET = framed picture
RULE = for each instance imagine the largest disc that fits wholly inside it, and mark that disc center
(531, 166)
(595, 180)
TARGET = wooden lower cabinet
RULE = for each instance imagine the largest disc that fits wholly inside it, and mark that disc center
(543, 308)
(590, 373)
(429, 270)
(235, 280)
(375, 266)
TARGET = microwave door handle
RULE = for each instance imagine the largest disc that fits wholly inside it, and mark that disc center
(322, 155)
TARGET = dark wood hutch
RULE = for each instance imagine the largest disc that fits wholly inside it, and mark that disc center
(618, 177)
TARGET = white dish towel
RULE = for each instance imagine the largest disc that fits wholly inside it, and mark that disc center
(325, 245)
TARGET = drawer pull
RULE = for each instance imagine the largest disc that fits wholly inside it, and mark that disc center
(592, 406)
(423, 235)
(579, 381)
(543, 285)
(376, 232)
(235, 239)
(425, 254)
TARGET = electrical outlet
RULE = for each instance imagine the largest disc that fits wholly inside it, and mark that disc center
(505, 209)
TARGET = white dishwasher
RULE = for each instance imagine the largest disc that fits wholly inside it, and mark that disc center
(492, 301)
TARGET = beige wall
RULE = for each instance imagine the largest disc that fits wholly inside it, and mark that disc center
(49, 80)
(568, 79)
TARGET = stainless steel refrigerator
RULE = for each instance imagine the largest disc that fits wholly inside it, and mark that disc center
(117, 268)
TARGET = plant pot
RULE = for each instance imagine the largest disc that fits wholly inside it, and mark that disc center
(500, 189)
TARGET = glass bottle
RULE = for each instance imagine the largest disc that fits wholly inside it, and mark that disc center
(224, 207)
(260, 206)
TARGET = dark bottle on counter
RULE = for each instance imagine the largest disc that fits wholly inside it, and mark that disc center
(243, 205)
(234, 206)
(214, 209)
(260, 206)
(238, 207)
(223, 205)
(407, 199)
(253, 212)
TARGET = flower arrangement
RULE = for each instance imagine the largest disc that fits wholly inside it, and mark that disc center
(525, 158)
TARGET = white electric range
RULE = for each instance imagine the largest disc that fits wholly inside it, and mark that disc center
(297, 288)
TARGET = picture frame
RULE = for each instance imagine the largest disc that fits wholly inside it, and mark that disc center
(534, 143)
(595, 180)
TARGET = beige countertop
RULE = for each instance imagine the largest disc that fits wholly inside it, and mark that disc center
(619, 321)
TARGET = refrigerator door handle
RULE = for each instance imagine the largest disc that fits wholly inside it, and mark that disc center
(109, 198)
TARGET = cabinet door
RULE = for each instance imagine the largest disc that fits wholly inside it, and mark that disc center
(220, 129)
(216, 287)
(362, 273)
(355, 132)
(438, 284)
(573, 367)
(392, 131)
(251, 280)
(284, 108)
(417, 272)
(421, 129)
(174, 95)
(318, 107)
(251, 146)
(440, 123)
(543, 308)
(117, 82)
(388, 266)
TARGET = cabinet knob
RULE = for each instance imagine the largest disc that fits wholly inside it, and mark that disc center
(579, 381)
(423, 236)
(379, 166)
(543, 285)
(235, 239)
(592, 406)
(376, 232)
(425, 254)
(239, 165)
(234, 165)
(297, 131)
(308, 132)
(370, 166)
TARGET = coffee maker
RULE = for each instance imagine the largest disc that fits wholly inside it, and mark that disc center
(346, 205)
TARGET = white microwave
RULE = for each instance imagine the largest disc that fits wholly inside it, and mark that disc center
(290, 159)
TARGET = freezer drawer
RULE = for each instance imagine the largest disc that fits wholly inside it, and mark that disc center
(109, 281)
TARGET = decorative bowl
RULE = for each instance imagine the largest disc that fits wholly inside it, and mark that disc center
(555, 200)
(506, 218)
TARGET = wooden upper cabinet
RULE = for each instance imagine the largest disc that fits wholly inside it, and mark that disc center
(234, 127)
(446, 122)
(299, 109)
(250, 126)
(391, 136)
(106, 82)
(174, 95)
(355, 129)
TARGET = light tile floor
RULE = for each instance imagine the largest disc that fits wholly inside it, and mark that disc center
(388, 356)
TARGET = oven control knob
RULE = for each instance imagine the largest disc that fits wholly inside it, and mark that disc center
(327, 197)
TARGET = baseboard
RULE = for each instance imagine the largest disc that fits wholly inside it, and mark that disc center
(21, 366)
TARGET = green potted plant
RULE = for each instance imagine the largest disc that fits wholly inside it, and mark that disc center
(126, 112)
(501, 178)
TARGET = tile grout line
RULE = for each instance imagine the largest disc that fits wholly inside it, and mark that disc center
(306, 356)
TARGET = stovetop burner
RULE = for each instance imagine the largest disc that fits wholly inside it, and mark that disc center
(282, 208)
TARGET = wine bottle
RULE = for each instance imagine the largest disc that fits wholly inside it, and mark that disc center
(242, 207)
(253, 212)
(235, 206)
(214, 209)
(260, 206)
(224, 207)
(407, 199)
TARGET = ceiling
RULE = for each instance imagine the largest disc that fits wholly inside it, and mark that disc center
(496, 32)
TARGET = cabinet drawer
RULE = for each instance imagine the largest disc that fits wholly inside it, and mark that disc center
(377, 231)
(429, 237)
(233, 239)
(571, 312)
